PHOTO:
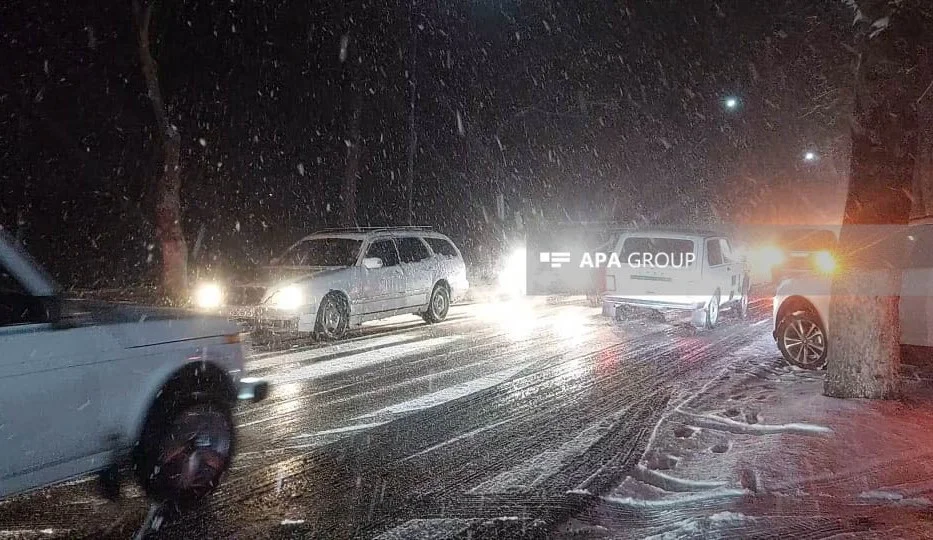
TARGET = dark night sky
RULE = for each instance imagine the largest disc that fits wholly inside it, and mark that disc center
(593, 109)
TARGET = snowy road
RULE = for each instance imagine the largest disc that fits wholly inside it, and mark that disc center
(487, 423)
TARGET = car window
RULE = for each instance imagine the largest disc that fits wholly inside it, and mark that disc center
(442, 247)
(411, 249)
(671, 246)
(385, 250)
(726, 251)
(17, 306)
(8, 284)
(713, 252)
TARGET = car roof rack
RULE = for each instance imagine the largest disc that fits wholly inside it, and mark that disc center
(374, 229)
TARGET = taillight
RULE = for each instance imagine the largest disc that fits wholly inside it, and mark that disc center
(234, 338)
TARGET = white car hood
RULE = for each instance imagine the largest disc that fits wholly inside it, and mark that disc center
(272, 276)
(141, 326)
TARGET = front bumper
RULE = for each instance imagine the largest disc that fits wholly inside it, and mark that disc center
(269, 318)
(252, 389)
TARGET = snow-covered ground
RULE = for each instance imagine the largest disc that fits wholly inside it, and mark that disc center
(760, 452)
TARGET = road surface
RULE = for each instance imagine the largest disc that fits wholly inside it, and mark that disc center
(492, 423)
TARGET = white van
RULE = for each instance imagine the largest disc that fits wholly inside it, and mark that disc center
(654, 273)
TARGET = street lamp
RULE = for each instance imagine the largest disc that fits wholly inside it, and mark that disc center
(731, 103)
(809, 156)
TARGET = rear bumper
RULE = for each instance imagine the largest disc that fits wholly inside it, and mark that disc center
(252, 390)
(687, 303)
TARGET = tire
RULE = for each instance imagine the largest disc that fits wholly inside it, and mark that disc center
(712, 311)
(802, 340)
(185, 448)
(741, 308)
(438, 305)
(333, 317)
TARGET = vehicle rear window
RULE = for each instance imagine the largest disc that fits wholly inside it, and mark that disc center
(442, 247)
(807, 240)
(412, 249)
(673, 246)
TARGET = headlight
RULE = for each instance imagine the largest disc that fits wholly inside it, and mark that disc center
(209, 296)
(825, 262)
(512, 275)
(290, 297)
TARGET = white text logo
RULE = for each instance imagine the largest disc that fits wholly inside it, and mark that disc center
(556, 259)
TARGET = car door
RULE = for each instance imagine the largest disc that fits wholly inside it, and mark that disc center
(718, 269)
(733, 281)
(383, 288)
(418, 269)
(49, 393)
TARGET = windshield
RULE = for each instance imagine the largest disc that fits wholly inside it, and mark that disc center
(322, 252)
(807, 240)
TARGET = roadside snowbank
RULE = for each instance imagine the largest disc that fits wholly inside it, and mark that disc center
(761, 452)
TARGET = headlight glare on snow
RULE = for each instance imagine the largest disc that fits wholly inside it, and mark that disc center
(512, 276)
(208, 296)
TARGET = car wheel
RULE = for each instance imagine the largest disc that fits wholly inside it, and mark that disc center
(802, 340)
(333, 317)
(185, 448)
(742, 307)
(438, 305)
(712, 311)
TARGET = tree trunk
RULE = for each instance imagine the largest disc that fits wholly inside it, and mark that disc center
(168, 201)
(352, 169)
(412, 99)
(864, 337)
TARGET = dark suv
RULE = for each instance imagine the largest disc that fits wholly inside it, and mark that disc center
(803, 252)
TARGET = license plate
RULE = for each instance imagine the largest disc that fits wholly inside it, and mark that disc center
(241, 311)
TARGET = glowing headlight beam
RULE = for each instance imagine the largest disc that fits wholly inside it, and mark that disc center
(824, 262)
(512, 277)
(771, 256)
(209, 296)
(289, 297)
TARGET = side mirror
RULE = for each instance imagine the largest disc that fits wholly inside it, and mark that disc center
(372, 263)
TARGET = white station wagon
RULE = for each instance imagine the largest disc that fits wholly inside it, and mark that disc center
(335, 279)
(89, 387)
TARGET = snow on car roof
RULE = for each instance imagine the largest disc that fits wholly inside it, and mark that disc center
(672, 233)
(363, 234)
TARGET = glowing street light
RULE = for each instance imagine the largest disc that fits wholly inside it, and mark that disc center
(809, 156)
(731, 103)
